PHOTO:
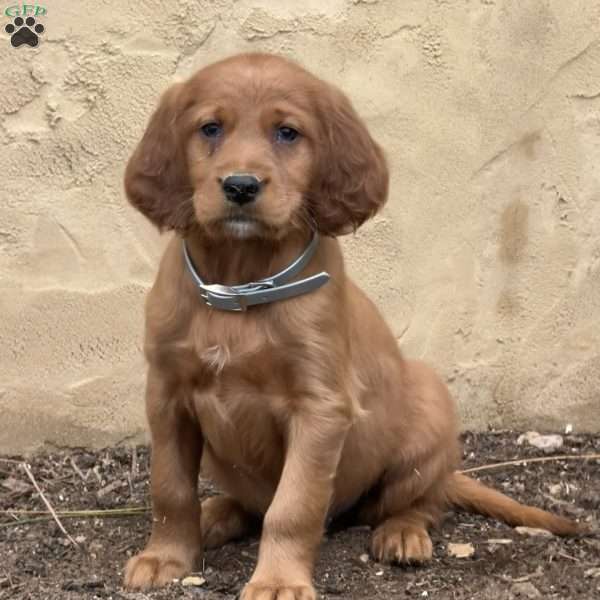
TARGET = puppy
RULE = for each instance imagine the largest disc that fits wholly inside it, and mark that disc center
(268, 367)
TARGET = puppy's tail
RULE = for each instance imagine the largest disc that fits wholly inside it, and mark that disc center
(473, 496)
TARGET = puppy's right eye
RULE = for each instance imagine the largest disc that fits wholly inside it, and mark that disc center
(212, 129)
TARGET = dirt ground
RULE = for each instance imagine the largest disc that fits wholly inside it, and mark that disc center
(39, 563)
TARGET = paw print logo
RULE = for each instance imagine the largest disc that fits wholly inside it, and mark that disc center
(24, 32)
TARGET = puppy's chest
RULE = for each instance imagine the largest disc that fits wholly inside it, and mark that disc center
(240, 377)
(244, 359)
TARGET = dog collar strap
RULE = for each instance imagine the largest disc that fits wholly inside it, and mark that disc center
(263, 291)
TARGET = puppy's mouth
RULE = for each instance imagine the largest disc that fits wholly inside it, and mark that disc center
(241, 225)
(239, 218)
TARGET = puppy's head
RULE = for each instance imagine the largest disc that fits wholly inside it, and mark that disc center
(255, 146)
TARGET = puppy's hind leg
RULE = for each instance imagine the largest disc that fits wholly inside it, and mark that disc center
(223, 520)
(405, 507)
(411, 495)
(402, 538)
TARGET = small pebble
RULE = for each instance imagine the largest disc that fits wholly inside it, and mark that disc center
(193, 581)
(364, 558)
(593, 572)
(533, 532)
(526, 590)
(461, 550)
(547, 443)
(555, 489)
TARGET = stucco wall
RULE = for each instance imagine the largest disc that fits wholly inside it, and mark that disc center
(486, 261)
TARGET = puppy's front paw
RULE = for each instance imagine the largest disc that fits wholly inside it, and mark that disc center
(153, 568)
(265, 591)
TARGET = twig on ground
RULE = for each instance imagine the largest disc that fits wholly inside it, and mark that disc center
(523, 461)
(8, 578)
(43, 515)
(78, 470)
(26, 521)
(108, 512)
(565, 555)
(134, 462)
(48, 505)
(95, 471)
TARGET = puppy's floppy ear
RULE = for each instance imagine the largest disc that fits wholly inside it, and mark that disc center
(350, 177)
(156, 177)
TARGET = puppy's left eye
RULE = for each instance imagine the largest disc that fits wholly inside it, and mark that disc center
(286, 135)
(212, 129)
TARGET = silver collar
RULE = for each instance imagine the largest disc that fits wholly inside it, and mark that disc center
(263, 291)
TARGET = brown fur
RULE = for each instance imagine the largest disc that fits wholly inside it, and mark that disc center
(298, 410)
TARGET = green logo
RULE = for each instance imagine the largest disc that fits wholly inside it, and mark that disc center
(24, 10)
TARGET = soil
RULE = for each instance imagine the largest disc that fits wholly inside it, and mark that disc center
(39, 563)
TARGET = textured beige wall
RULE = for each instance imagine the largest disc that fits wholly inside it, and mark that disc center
(486, 261)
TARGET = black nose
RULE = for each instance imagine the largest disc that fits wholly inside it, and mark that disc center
(241, 189)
